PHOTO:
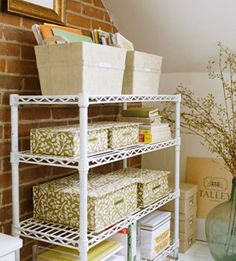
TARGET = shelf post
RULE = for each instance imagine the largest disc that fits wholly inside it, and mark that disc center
(125, 161)
(15, 167)
(83, 172)
(177, 175)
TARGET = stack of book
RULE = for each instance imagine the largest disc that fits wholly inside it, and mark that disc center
(152, 130)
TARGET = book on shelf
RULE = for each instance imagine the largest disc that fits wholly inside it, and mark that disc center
(150, 120)
(140, 112)
(156, 133)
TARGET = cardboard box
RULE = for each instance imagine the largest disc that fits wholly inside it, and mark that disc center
(214, 187)
(213, 181)
(188, 199)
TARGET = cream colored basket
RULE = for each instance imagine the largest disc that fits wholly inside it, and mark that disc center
(73, 68)
(142, 73)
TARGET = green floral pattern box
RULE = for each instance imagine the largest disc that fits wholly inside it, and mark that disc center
(111, 198)
(122, 134)
(152, 184)
(65, 140)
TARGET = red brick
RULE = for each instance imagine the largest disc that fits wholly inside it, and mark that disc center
(110, 109)
(5, 181)
(7, 131)
(103, 169)
(1, 132)
(135, 161)
(98, 3)
(1, 32)
(86, 32)
(29, 175)
(87, 1)
(94, 110)
(93, 12)
(6, 197)
(6, 227)
(104, 26)
(24, 129)
(107, 17)
(9, 49)
(6, 165)
(5, 213)
(117, 165)
(32, 83)
(78, 21)
(24, 144)
(22, 67)
(73, 6)
(27, 22)
(60, 113)
(2, 65)
(35, 113)
(27, 52)
(5, 115)
(11, 82)
(18, 35)
(9, 19)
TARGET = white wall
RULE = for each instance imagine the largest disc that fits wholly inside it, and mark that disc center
(191, 145)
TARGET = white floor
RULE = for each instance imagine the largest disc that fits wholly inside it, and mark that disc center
(198, 252)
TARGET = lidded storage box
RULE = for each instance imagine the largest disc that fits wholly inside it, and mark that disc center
(152, 184)
(155, 234)
(70, 69)
(65, 141)
(110, 199)
(142, 73)
(123, 134)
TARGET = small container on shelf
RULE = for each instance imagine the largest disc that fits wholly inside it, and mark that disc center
(155, 234)
(70, 69)
(65, 140)
(103, 251)
(142, 73)
(110, 199)
(123, 134)
(152, 184)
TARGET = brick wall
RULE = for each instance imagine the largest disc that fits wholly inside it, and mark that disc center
(18, 74)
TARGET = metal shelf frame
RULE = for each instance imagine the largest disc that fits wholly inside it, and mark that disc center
(73, 238)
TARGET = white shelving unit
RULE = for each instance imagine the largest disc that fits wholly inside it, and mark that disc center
(82, 240)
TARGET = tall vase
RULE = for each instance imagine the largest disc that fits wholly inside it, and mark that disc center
(221, 229)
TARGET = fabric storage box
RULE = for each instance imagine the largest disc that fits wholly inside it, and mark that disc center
(152, 184)
(188, 199)
(70, 69)
(101, 252)
(122, 134)
(142, 73)
(110, 199)
(65, 141)
(155, 234)
(8, 247)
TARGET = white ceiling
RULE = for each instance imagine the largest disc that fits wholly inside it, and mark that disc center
(184, 32)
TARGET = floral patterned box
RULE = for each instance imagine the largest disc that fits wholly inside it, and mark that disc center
(122, 134)
(65, 140)
(110, 199)
(152, 184)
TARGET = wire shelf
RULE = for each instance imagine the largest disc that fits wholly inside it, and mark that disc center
(95, 160)
(69, 237)
(94, 99)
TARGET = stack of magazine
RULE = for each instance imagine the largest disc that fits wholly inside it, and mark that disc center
(152, 130)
